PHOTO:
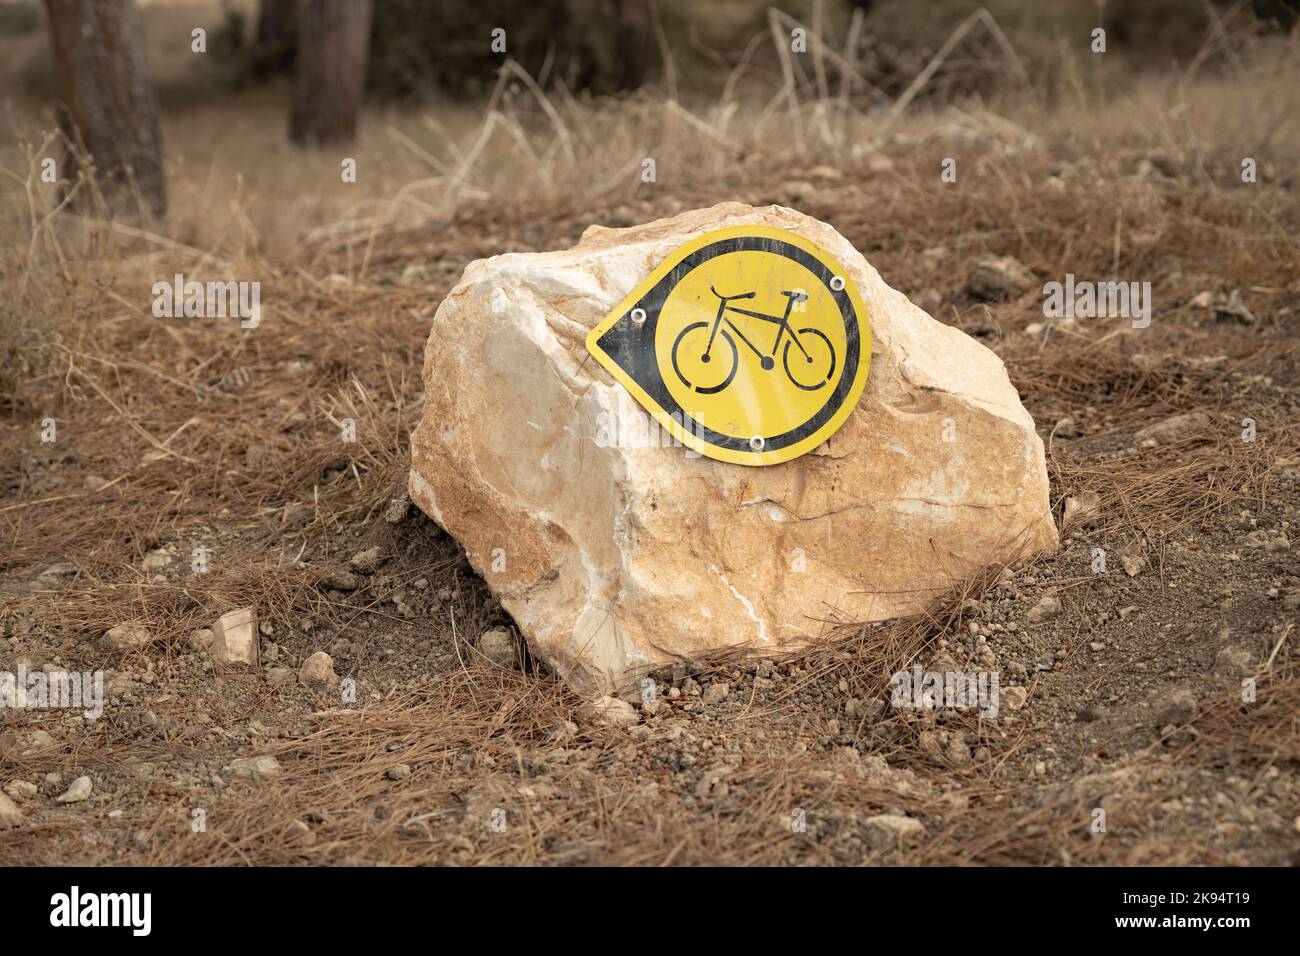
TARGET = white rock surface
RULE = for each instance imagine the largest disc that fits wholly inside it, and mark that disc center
(254, 768)
(10, 815)
(21, 789)
(498, 646)
(317, 672)
(612, 712)
(126, 637)
(889, 827)
(79, 790)
(614, 560)
(235, 640)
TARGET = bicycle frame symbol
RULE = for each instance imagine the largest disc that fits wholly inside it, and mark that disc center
(815, 373)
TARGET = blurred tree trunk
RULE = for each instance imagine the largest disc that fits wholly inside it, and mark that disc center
(106, 106)
(277, 35)
(333, 39)
(635, 41)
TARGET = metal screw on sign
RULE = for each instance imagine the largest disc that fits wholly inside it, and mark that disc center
(837, 283)
(638, 316)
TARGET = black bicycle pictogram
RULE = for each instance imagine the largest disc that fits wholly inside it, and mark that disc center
(697, 343)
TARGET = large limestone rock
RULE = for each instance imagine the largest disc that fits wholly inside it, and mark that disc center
(615, 559)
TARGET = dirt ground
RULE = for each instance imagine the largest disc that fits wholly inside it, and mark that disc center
(1155, 716)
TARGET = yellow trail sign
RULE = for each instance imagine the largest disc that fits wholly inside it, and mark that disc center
(748, 344)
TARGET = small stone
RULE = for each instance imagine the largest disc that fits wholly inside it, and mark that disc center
(397, 509)
(317, 672)
(716, 693)
(201, 639)
(1013, 697)
(498, 646)
(1081, 510)
(368, 561)
(10, 815)
(280, 676)
(1177, 708)
(958, 750)
(1233, 660)
(612, 712)
(125, 637)
(235, 638)
(400, 772)
(1269, 541)
(998, 277)
(1133, 562)
(341, 580)
(25, 743)
(887, 828)
(254, 768)
(21, 789)
(78, 791)
(156, 560)
(1174, 429)
(1048, 607)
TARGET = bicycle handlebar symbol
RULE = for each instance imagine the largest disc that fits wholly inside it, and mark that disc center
(694, 343)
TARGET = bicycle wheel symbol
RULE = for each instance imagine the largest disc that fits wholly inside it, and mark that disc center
(814, 369)
(705, 369)
(756, 330)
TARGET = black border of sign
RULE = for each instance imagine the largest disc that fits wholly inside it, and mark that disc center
(633, 347)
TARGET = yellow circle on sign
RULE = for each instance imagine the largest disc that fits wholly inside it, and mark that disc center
(749, 345)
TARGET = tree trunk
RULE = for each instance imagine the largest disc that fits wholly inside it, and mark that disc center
(635, 40)
(333, 38)
(106, 106)
(277, 36)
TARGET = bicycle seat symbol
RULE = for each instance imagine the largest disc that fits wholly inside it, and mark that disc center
(813, 360)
